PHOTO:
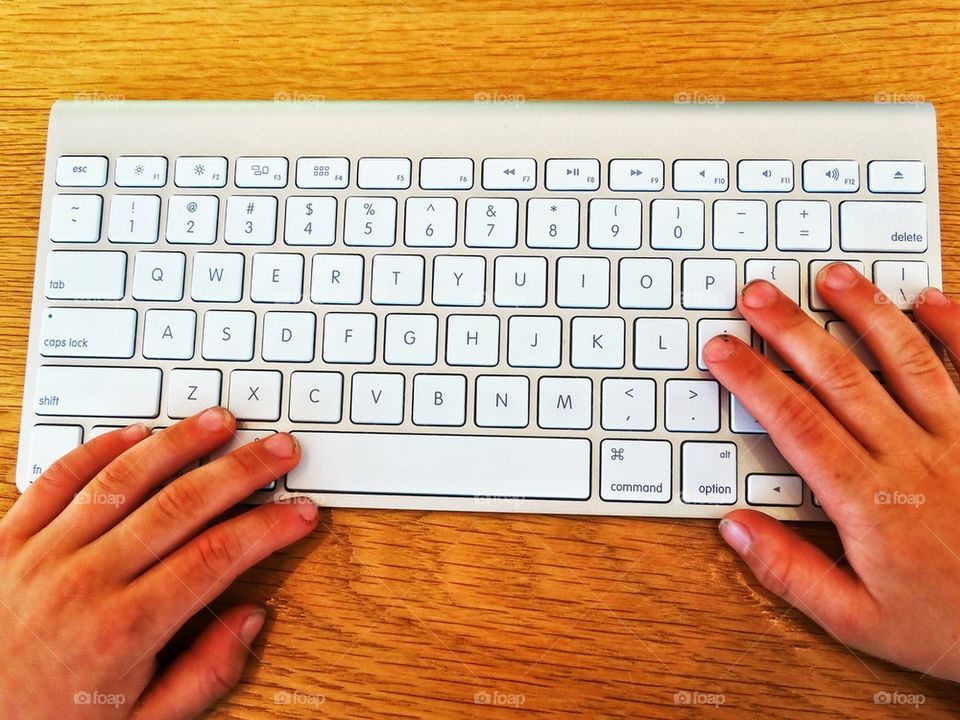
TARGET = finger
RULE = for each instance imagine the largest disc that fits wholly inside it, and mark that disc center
(941, 316)
(913, 372)
(46, 498)
(200, 570)
(831, 371)
(205, 672)
(133, 475)
(801, 574)
(832, 462)
(172, 516)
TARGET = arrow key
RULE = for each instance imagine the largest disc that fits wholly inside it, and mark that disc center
(786, 490)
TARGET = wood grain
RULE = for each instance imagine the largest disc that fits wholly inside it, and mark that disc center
(410, 615)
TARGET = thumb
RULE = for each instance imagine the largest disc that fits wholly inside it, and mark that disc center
(801, 574)
(206, 671)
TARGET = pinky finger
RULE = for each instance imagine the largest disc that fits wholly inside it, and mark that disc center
(206, 671)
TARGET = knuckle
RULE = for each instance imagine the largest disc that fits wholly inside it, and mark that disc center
(846, 376)
(220, 678)
(916, 358)
(114, 479)
(797, 415)
(217, 551)
(178, 501)
(245, 462)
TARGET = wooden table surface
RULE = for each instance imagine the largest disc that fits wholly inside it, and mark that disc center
(415, 614)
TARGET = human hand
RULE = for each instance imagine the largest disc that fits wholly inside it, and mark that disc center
(97, 573)
(883, 461)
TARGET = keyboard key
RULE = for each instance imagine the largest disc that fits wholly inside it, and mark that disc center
(765, 176)
(277, 278)
(158, 276)
(316, 397)
(692, 406)
(628, 404)
(628, 175)
(491, 223)
(553, 223)
(677, 225)
(239, 439)
(370, 221)
(901, 281)
(565, 403)
(709, 284)
(261, 172)
(191, 390)
(76, 218)
(88, 332)
(597, 342)
(141, 171)
(289, 336)
(661, 344)
(700, 175)
(509, 174)
(459, 280)
(741, 421)
(614, 224)
(831, 176)
(349, 338)
(816, 302)
(430, 222)
(786, 490)
(875, 226)
(534, 341)
(169, 334)
(449, 465)
(125, 392)
(383, 173)
(520, 282)
(192, 219)
(583, 282)
(646, 283)
(709, 473)
(255, 394)
(397, 280)
(446, 173)
(337, 279)
(328, 173)
(81, 171)
(410, 340)
(204, 172)
(740, 225)
(896, 176)
(251, 220)
(502, 401)
(473, 340)
(48, 443)
(636, 471)
(710, 328)
(310, 221)
(83, 275)
(573, 174)
(377, 399)
(785, 274)
(803, 225)
(228, 335)
(217, 277)
(134, 219)
(439, 400)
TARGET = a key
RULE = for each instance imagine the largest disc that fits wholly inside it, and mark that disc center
(430, 222)
(310, 221)
(831, 176)
(277, 278)
(875, 226)
(628, 404)
(158, 276)
(509, 174)
(88, 332)
(439, 400)
(583, 282)
(255, 394)
(134, 219)
(785, 274)
(597, 342)
(634, 175)
(316, 397)
(708, 473)
(901, 281)
(677, 225)
(636, 471)
(383, 173)
(228, 335)
(125, 392)
(48, 443)
(459, 280)
(473, 340)
(76, 218)
(81, 171)
(261, 172)
(565, 403)
(370, 221)
(410, 340)
(206, 172)
(397, 280)
(323, 172)
(573, 174)
(709, 328)
(289, 336)
(765, 176)
(520, 282)
(896, 176)
(553, 223)
(502, 401)
(377, 399)
(740, 225)
(709, 284)
(741, 421)
(614, 224)
(803, 225)
(646, 283)
(169, 334)
(337, 279)
(817, 302)
(700, 175)
(191, 390)
(491, 223)
(217, 277)
(251, 220)
(141, 171)
(446, 173)
(692, 406)
(533, 341)
(349, 337)
(85, 275)
(192, 219)
(784, 490)
(661, 343)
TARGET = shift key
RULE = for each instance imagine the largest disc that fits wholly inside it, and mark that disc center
(91, 391)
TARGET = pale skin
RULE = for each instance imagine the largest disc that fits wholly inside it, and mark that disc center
(90, 591)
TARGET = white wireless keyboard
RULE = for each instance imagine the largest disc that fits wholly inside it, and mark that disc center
(456, 305)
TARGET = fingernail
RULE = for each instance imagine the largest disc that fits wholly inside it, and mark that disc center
(135, 431)
(839, 276)
(736, 535)
(932, 296)
(759, 294)
(252, 625)
(719, 348)
(308, 510)
(216, 418)
(280, 445)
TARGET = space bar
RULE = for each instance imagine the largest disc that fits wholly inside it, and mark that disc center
(443, 465)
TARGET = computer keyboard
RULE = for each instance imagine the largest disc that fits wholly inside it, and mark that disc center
(459, 305)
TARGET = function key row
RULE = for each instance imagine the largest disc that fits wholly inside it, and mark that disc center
(498, 174)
